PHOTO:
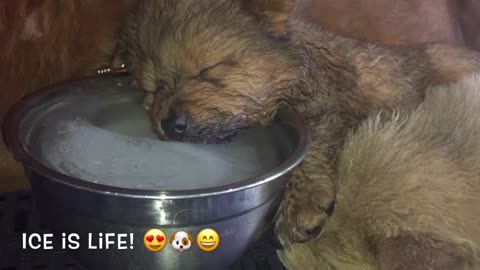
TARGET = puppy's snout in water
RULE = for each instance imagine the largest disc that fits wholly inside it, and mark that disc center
(175, 126)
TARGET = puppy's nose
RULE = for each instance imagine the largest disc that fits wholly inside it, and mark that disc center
(175, 126)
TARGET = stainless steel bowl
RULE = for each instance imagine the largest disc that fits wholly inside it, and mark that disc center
(239, 212)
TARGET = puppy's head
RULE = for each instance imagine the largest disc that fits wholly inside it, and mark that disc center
(215, 66)
(181, 241)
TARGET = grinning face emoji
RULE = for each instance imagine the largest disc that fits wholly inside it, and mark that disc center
(155, 240)
(208, 240)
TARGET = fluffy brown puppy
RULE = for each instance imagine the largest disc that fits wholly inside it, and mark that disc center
(218, 66)
(408, 191)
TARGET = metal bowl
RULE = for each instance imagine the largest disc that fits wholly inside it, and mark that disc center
(239, 211)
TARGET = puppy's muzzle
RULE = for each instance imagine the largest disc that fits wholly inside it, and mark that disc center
(175, 126)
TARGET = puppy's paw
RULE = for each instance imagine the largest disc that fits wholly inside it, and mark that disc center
(148, 101)
(303, 214)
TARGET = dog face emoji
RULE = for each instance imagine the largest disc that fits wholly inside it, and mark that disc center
(181, 241)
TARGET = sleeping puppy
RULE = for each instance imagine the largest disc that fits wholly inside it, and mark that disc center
(211, 68)
(408, 191)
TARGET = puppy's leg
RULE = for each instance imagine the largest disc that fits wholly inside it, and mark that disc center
(123, 52)
(420, 252)
(310, 194)
(301, 256)
(127, 30)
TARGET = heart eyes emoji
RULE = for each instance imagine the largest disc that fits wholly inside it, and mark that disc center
(154, 240)
(150, 238)
(159, 238)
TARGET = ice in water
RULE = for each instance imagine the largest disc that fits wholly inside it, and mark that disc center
(112, 144)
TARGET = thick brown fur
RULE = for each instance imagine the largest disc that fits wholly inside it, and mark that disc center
(228, 65)
(408, 190)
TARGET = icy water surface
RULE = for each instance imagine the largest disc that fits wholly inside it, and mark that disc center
(108, 139)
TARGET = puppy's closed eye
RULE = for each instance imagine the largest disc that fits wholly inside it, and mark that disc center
(203, 74)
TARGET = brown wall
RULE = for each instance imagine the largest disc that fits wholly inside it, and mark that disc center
(399, 22)
(46, 41)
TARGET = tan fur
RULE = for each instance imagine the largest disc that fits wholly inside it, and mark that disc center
(408, 190)
(225, 68)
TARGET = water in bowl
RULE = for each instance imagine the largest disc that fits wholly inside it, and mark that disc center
(108, 139)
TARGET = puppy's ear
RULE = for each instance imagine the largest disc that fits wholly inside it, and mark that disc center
(272, 14)
(190, 237)
(172, 238)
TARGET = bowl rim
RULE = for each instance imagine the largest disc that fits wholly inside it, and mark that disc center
(16, 114)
